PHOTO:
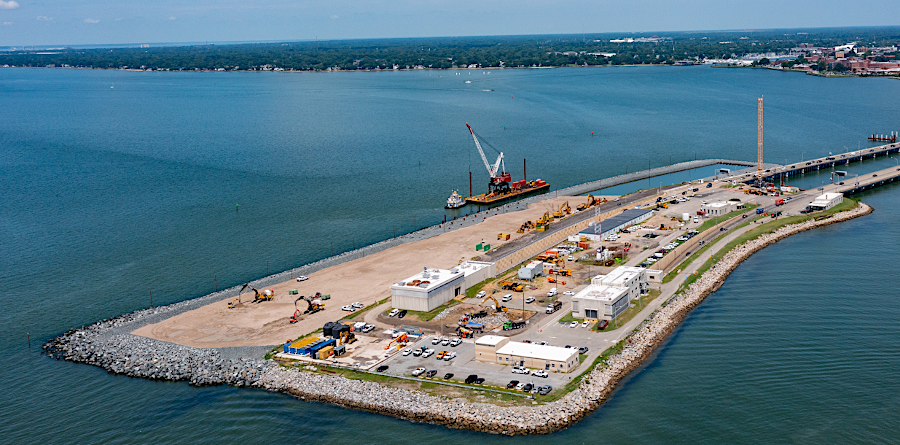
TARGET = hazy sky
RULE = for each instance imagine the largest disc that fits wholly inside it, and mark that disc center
(50, 22)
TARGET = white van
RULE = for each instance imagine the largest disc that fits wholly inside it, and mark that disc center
(553, 292)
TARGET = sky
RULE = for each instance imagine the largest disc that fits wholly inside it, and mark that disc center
(83, 22)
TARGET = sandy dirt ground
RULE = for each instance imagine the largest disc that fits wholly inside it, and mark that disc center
(365, 280)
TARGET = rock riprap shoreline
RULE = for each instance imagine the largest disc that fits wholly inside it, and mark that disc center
(105, 345)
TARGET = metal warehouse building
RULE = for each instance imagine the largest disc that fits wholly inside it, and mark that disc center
(610, 226)
(431, 288)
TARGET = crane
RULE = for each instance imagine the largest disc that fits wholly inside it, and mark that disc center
(500, 179)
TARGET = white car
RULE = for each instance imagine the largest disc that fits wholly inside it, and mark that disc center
(529, 300)
(368, 328)
(348, 308)
(394, 313)
(407, 351)
(518, 370)
(569, 293)
(445, 341)
(449, 356)
(455, 342)
(571, 258)
(359, 325)
(418, 371)
(573, 324)
(481, 294)
(507, 297)
(616, 199)
(520, 386)
(358, 305)
(540, 373)
(302, 278)
(435, 340)
(585, 323)
(427, 353)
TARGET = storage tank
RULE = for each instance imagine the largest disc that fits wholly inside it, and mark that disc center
(686, 216)
(326, 330)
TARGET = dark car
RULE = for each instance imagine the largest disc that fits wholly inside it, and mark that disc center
(527, 387)
(512, 384)
(583, 350)
(431, 373)
(382, 368)
(448, 376)
(568, 346)
(471, 379)
(544, 390)
(402, 314)
(709, 185)
(744, 216)
(479, 381)
(526, 341)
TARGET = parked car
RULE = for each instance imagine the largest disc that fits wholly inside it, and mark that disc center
(544, 390)
(368, 328)
(519, 386)
(402, 314)
(358, 305)
(393, 313)
(441, 355)
(479, 380)
(435, 340)
(573, 324)
(529, 300)
(382, 368)
(418, 352)
(445, 341)
(449, 356)
(431, 373)
(481, 294)
(359, 325)
(348, 308)
(571, 258)
(471, 379)
(302, 278)
(585, 323)
(427, 353)
(448, 376)
(541, 373)
(583, 350)
(518, 370)
(418, 372)
(527, 387)
(455, 342)
(507, 297)
(569, 293)
(512, 384)
(543, 343)
(407, 351)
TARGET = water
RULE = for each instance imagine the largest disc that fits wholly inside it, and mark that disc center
(111, 193)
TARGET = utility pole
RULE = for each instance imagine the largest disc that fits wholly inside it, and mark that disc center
(759, 141)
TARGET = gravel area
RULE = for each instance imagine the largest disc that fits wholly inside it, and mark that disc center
(107, 344)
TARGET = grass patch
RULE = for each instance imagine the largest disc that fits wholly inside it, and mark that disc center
(629, 313)
(568, 318)
(768, 227)
(366, 309)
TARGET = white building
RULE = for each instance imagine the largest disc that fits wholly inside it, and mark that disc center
(428, 289)
(500, 350)
(826, 201)
(720, 208)
(533, 269)
(476, 272)
(609, 295)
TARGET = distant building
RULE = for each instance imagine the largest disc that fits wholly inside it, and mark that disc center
(720, 208)
(825, 202)
(500, 350)
(609, 295)
(613, 225)
(431, 288)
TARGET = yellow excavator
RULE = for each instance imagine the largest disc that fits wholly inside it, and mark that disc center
(564, 209)
(265, 295)
(497, 305)
(591, 201)
(544, 222)
(313, 305)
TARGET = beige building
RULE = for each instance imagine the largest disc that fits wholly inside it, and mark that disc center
(500, 350)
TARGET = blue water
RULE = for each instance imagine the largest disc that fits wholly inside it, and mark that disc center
(177, 183)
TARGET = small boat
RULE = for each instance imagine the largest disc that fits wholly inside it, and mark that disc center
(455, 201)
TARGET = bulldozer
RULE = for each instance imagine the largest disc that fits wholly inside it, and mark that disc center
(544, 222)
(497, 305)
(347, 338)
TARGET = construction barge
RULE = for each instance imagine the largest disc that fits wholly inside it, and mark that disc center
(501, 188)
(518, 189)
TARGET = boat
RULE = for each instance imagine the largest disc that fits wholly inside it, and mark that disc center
(518, 189)
(455, 201)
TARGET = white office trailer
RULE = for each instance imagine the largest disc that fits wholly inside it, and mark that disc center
(531, 270)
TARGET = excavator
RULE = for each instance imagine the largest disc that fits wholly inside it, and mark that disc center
(403, 338)
(544, 222)
(266, 295)
(312, 306)
(497, 305)
(591, 201)
(564, 209)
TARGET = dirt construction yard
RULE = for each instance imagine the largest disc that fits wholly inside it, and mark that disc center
(365, 280)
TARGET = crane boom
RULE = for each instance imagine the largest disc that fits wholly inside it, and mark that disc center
(491, 171)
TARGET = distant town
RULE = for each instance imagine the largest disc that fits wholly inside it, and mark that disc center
(829, 52)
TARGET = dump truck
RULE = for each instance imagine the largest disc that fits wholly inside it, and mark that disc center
(510, 325)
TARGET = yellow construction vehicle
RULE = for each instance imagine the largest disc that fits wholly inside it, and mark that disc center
(313, 305)
(564, 209)
(266, 295)
(525, 226)
(401, 341)
(591, 201)
(347, 338)
(564, 272)
(497, 305)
